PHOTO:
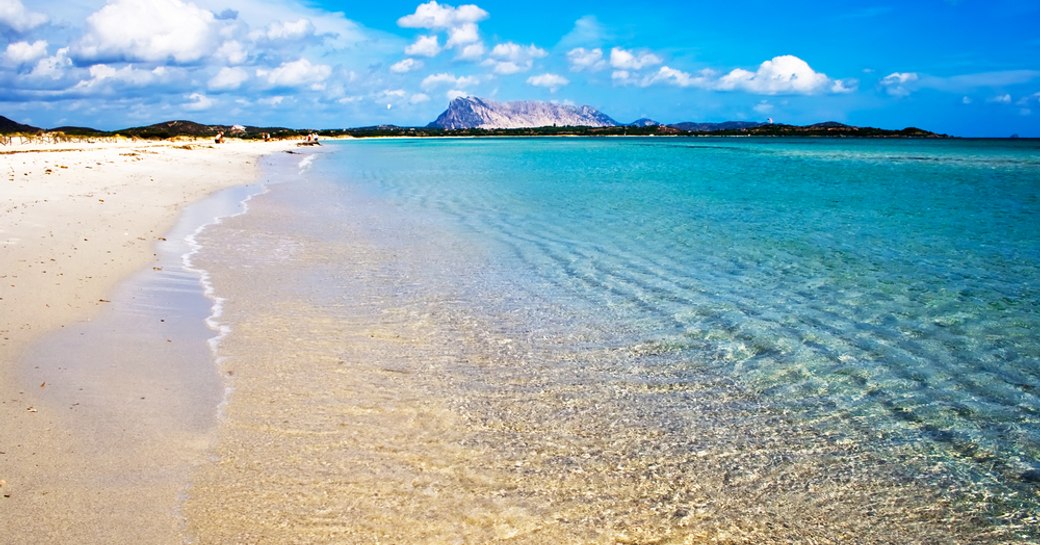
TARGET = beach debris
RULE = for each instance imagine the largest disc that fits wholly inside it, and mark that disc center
(3, 485)
(43, 384)
(104, 301)
(31, 409)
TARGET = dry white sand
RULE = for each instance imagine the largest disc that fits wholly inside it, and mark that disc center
(75, 220)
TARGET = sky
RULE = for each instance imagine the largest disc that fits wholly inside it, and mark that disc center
(961, 67)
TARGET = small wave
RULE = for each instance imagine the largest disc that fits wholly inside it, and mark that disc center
(305, 163)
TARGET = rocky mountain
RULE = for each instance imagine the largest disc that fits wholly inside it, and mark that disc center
(644, 122)
(8, 126)
(477, 113)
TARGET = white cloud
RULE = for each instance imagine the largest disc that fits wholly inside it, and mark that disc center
(1001, 99)
(582, 59)
(445, 79)
(899, 83)
(518, 53)
(22, 53)
(549, 81)
(424, 46)
(471, 52)
(459, 23)
(286, 30)
(456, 93)
(350, 99)
(298, 73)
(785, 74)
(966, 100)
(54, 67)
(232, 51)
(435, 16)
(198, 102)
(510, 58)
(405, 66)
(764, 107)
(14, 15)
(627, 60)
(903, 83)
(463, 35)
(587, 31)
(228, 79)
(419, 98)
(621, 77)
(148, 30)
(704, 79)
(103, 76)
(844, 86)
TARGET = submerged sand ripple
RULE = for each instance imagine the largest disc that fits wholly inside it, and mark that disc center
(371, 404)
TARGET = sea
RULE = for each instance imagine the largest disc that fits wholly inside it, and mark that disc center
(634, 340)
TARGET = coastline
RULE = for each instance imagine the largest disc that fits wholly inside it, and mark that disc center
(80, 222)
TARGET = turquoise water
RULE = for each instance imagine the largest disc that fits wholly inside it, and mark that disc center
(746, 301)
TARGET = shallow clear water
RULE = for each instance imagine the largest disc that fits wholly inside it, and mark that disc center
(670, 336)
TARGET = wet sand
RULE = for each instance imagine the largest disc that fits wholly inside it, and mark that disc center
(103, 408)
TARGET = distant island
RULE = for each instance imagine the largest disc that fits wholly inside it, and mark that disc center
(473, 116)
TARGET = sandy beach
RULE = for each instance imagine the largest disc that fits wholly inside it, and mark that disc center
(78, 219)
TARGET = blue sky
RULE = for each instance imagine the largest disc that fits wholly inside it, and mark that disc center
(964, 67)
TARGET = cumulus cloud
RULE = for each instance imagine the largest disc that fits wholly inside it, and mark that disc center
(785, 74)
(898, 83)
(1001, 99)
(844, 86)
(53, 68)
(198, 102)
(228, 78)
(435, 16)
(286, 31)
(232, 51)
(445, 79)
(511, 58)
(424, 46)
(299, 73)
(105, 77)
(419, 98)
(405, 66)
(463, 35)
(14, 15)
(459, 23)
(549, 81)
(704, 79)
(622, 59)
(582, 60)
(455, 93)
(148, 30)
(23, 53)
(471, 52)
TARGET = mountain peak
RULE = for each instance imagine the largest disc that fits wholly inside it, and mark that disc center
(478, 113)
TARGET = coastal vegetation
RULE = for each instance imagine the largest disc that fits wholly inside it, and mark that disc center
(170, 130)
